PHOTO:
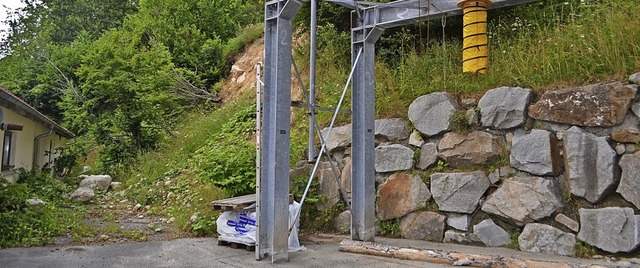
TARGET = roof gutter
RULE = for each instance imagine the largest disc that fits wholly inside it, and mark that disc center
(36, 143)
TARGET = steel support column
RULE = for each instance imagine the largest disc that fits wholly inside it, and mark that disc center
(363, 194)
(273, 194)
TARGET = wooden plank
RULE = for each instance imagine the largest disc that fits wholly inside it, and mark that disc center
(238, 203)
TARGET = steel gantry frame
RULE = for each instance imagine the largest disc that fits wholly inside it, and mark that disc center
(368, 24)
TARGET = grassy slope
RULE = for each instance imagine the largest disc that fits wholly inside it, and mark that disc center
(556, 46)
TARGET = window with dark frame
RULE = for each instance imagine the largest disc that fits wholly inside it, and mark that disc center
(7, 150)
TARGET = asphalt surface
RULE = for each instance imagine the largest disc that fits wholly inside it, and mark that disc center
(190, 252)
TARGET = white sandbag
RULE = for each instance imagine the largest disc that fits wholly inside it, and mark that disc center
(241, 226)
(294, 244)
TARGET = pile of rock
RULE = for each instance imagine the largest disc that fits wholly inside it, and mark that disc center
(528, 166)
(90, 183)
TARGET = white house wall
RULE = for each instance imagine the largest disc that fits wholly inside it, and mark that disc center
(25, 140)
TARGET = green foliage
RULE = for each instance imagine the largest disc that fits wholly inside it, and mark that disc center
(390, 228)
(459, 122)
(584, 250)
(513, 242)
(234, 172)
(24, 225)
(441, 166)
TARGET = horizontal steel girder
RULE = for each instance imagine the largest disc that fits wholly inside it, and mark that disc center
(405, 12)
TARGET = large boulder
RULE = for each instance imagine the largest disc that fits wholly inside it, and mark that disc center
(635, 78)
(593, 105)
(626, 136)
(401, 194)
(340, 137)
(328, 188)
(612, 229)
(475, 148)
(393, 157)
(82, 195)
(453, 236)
(428, 155)
(95, 182)
(568, 222)
(458, 192)
(504, 107)
(525, 199)
(590, 164)
(392, 129)
(342, 222)
(541, 238)
(431, 114)
(345, 176)
(536, 153)
(459, 221)
(629, 186)
(491, 234)
(423, 225)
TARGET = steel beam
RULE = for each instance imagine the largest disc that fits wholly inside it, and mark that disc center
(363, 194)
(273, 206)
(403, 12)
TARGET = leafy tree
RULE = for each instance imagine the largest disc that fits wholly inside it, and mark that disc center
(124, 100)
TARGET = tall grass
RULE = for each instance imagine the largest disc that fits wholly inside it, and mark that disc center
(542, 45)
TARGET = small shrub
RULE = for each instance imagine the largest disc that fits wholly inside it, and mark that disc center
(390, 228)
(584, 250)
(513, 243)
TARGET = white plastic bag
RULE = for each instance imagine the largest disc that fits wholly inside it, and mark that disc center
(242, 226)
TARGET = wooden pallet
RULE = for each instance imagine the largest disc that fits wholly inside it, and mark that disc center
(238, 203)
(234, 243)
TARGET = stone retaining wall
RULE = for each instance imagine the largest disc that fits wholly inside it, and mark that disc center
(555, 168)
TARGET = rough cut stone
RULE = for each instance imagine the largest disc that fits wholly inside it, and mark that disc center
(430, 114)
(458, 192)
(95, 182)
(428, 155)
(536, 153)
(590, 164)
(631, 148)
(612, 229)
(568, 222)
(459, 221)
(491, 234)
(393, 157)
(342, 222)
(635, 108)
(475, 148)
(494, 177)
(453, 236)
(423, 225)
(415, 139)
(541, 238)
(328, 188)
(345, 176)
(82, 194)
(625, 136)
(631, 123)
(620, 149)
(635, 78)
(525, 199)
(401, 194)
(629, 186)
(504, 107)
(340, 137)
(392, 129)
(472, 117)
(592, 105)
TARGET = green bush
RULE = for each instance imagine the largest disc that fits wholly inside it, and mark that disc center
(25, 225)
(228, 158)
